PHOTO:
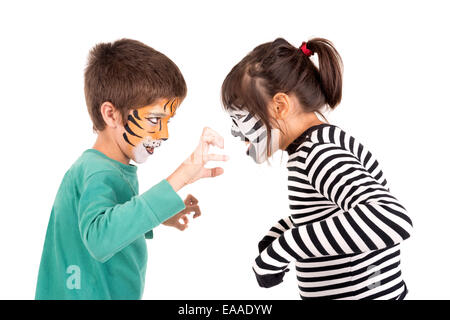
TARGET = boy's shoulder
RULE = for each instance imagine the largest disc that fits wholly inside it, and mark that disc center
(93, 162)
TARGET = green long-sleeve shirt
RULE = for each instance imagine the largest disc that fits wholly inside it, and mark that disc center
(95, 243)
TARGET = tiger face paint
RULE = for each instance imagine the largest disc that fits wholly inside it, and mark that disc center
(146, 128)
(252, 130)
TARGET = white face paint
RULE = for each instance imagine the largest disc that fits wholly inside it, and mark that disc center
(250, 128)
(143, 150)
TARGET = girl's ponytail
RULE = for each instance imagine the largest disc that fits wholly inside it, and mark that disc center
(330, 69)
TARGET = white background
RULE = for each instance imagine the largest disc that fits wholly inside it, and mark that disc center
(395, 101)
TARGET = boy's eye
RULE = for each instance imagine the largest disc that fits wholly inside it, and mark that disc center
(153, 120)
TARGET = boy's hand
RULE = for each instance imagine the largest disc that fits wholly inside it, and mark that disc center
(191, 206)
(193, 168)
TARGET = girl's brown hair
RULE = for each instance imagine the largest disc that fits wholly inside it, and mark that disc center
(279, 67)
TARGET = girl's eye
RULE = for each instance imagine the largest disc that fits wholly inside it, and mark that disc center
(153, 120)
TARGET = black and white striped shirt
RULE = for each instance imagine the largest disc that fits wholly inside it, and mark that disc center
(345, 226)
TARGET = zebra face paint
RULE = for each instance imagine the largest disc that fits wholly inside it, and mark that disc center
(252, 130)
(146, 128)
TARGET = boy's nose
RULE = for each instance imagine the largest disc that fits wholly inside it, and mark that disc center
(164, 133)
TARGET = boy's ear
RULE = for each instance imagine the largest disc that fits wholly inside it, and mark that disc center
(110, 114)
(280, 106)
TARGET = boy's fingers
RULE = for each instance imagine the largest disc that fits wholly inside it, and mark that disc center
(197, 214)
(216, 157)
(185, 220)
(190, 200)
(189, 209)
(181, 226)
(192, 208)
(209, 136)
(212, 140)
(194, 199)
(197, 211)
(212, 172)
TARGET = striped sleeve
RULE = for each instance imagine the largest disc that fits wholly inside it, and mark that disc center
(370, 218)
(276, 231)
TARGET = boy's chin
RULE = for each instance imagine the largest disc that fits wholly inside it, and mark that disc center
(141, 154)
(140, 158)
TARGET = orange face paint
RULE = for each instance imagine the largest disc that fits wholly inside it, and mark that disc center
(146, 127)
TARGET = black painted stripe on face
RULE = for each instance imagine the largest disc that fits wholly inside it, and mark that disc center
(165, 105)
(248, 117)
(136, 115)
(131, 132)
(125, 137)
(255, 127)
(171, 105)
(260, 138)
(237, 133)
(132, 119)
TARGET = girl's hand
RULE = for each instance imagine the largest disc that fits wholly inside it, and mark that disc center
(193, 168)
(191, 206)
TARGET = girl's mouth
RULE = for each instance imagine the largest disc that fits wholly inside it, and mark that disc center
(248, 147)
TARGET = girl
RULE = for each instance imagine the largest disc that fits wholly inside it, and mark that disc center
(345, 226)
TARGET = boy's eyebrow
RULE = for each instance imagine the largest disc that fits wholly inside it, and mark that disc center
(158, 114)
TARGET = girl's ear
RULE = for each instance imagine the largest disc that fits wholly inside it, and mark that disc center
(280, 106)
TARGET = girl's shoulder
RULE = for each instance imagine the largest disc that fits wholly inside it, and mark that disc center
(325, 134)
(318, 134)
(326, 145)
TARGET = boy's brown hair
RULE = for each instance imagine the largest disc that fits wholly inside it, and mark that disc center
(128, 74)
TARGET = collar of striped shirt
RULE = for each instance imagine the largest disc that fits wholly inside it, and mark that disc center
(294, 145)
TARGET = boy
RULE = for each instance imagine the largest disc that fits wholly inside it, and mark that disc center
(95, 243)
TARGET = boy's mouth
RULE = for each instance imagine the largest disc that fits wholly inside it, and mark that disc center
(150, 149)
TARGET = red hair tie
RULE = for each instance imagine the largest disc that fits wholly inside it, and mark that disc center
(305, 50)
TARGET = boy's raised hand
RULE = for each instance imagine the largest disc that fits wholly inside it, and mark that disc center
(191, 206)
(193, 168)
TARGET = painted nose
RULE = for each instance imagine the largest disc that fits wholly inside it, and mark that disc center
(164, 133)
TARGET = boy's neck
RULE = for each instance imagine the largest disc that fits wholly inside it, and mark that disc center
(109, 147)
